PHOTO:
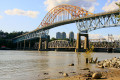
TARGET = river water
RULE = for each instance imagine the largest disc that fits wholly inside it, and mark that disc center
(31, 65)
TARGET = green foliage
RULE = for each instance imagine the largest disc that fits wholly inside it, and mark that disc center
(6, 38)
(52, 39)
(118, 4)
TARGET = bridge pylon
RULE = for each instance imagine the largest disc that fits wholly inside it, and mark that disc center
(24, 45)
(40, 44)
(78, 42)
(17, 45)
(29, 44)
(45, 48)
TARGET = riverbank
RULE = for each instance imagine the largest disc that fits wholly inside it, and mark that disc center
(111, 74)
(110, 70)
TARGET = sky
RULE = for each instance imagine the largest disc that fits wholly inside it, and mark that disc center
(26, 15)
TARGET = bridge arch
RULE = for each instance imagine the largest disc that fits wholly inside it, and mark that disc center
(63, 10)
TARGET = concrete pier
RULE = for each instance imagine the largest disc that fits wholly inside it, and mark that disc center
(17, 45)
(40, 45)
(29, 44)
(78, 43)
(86, 42)
(24, 45)
(46, 44)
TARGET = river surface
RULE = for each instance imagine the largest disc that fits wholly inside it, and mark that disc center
(31, 65)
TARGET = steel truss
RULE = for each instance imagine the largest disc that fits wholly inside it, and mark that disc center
(33, 35)
(85, 21)
(57, 14)
(90, 24)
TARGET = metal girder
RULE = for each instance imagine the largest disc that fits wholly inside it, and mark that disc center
(87, 25)
(59, 15)
(33, 35)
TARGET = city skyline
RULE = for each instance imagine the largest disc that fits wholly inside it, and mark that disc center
(61, 35)
(21, 16)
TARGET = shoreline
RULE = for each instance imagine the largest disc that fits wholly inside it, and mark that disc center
(111, 74)
(110, 70)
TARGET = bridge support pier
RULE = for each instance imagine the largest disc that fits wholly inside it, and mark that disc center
(24, 45)
(29, 44)
(46, 44)
(86, 42)
(78, 42)
(40, 45)
(17, 45)
(20, 45)
(46, 40)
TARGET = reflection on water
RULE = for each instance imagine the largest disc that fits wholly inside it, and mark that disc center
(31, 65)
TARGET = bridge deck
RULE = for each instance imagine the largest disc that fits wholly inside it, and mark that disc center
(72, 21)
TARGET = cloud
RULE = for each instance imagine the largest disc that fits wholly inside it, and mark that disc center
(1, 17)
(98, 36)
(87, 4)
(92, 9)
(110, 6)
(115, 37)
(95, 36)
(32, 14)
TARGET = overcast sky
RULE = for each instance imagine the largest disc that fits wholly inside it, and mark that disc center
(26, 15)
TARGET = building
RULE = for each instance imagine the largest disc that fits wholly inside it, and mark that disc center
(71, 35)
(63, 35)
(58, 35)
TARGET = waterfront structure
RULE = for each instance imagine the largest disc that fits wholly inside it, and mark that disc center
(71, 35)
(58, 35)
(63, 35)
(59, 44)
(73, 14)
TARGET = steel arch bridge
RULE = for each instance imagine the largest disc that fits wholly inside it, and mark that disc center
(65, 14)
(62, 13)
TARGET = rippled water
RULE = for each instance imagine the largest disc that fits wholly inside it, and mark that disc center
(31, 65)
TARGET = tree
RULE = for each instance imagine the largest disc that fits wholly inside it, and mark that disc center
(118, 4)
(52, 39)
(6, 38)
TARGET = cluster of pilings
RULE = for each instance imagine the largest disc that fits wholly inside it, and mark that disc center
(29, 44)
(26, 44)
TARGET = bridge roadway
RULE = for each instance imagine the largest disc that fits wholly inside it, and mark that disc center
(85, 22)
(103, 14)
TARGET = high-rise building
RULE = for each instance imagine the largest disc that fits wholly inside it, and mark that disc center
(63, 35)
(58, 35)
(71, 35)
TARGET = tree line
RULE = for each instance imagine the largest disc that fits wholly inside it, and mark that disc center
(6, 38)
